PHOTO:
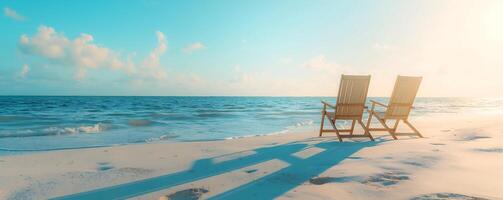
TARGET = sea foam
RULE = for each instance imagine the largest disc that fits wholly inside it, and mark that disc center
(97, 128)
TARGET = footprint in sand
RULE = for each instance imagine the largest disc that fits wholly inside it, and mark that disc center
(321, 180)
(491, 150)
(188, 194)
(104, 166)
(445, 196)
(475, 137)
(423, 161)
(251, 171)
(414, 163)
(324, 180)
(386, 179)
(472, 137)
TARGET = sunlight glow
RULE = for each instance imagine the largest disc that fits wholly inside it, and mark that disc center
(492, 21)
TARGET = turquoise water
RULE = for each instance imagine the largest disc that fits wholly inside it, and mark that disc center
(35, 123)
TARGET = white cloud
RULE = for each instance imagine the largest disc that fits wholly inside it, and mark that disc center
(194, 47)
(13, 14)
(46, 43)
(153, 58)
(24, 71)
(84, 54)
(151, 66)
(81, 52)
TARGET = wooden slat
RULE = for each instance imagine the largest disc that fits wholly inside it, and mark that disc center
(399, 107)
(403, 95)
(352, 94)
(349, 106)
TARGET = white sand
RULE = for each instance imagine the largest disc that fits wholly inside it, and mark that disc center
(460, 155)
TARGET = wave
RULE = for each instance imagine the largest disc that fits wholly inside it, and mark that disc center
(97, 128)
(304, 123)
(301, 112)
(160, 138)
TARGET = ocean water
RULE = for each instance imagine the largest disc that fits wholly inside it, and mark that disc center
(41, 123)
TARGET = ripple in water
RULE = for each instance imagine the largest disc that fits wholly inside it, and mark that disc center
(139, 122)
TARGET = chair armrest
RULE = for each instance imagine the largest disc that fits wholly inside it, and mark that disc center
(327, 104)
(378, 103)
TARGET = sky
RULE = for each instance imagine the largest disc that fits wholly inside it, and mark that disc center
(248, 48)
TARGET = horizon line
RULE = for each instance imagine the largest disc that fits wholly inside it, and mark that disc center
(22, 95)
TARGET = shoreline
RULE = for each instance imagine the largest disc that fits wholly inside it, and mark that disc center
(367, 168)
(294, 129)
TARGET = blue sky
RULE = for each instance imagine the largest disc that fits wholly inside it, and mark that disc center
(279, 48)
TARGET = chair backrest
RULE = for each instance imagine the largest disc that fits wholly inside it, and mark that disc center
(352, 95)
(403, 96)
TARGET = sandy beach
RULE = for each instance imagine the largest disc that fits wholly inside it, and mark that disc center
(460, 157)
(250, 99)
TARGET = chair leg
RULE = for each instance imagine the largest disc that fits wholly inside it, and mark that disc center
(336, 130)
(387, 127)
(395, 126)
(367, 132)
(352, 127)
(322, 121)
(413, 128)
(370, 119)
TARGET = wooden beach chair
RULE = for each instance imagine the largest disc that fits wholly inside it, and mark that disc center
(349, 106)
(398, 108)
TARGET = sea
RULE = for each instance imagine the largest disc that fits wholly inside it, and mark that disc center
(45, 123)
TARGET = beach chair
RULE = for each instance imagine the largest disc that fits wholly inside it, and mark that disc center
(349, 106)
(398, 108)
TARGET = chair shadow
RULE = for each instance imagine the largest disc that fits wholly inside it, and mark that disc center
(298, 172)
(267, 187)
